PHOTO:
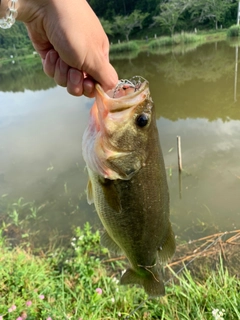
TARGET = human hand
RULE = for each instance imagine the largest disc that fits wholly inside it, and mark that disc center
(71, 42)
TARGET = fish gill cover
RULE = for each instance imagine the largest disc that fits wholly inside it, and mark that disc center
(127, 181)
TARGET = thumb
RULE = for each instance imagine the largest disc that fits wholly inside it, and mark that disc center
(104, 73)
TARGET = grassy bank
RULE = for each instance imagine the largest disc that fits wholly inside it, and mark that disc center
(166, 42)
(124, 47)
(130, 49)
(25, 60)
(233, 31)
(81, 282)
(184, 38)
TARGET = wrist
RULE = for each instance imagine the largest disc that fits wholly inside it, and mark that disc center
(27, 9)
(8, 13)
(3, 8)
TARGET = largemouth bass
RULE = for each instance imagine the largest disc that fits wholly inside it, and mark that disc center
(127, 181)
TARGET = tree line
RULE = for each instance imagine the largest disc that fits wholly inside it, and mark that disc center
(127, 16)
(14, 38)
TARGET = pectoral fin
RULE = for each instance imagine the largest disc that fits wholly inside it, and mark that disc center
(126, 165)
(89, 192)
(109, 243)
(110, 194)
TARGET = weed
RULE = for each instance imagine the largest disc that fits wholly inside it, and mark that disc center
(73, 283)
(183, 38)
(124, 47)
(233, 31)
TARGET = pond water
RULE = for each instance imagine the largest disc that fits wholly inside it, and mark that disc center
(197, 96)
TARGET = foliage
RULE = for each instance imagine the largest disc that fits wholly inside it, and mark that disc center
(171, 12)
(107, 26)
(210, 9)
(15, 38)
(233, 31)
(173, 15)
(197, 12)
(109, 9)
(125, 25)
(184, 14)
(77, 284)
(124, 47)
(176, 39)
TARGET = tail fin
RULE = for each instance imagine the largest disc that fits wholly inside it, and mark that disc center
(151, 282)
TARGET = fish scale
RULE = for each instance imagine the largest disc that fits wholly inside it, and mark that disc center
(129, 186)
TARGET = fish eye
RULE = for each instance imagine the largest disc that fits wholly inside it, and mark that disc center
(142, 120)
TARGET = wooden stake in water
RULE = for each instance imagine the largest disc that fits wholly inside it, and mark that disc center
(179, 153)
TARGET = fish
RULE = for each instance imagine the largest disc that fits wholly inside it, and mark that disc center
(127, 181)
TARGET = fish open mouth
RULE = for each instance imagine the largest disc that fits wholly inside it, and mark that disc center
(127, 94)
(125, 86)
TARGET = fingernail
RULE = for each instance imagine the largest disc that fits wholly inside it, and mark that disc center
(75, 76)
(53, 57)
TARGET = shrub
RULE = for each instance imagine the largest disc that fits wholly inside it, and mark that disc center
(234, 31)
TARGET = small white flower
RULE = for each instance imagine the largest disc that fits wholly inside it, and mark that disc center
(73, 239)
(112, 300)
(215, 312)
(114, 279)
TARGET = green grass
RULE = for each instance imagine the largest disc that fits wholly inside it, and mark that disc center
(124, 47)
(25, 60)
(184, 38)
(233, 31)
(78, 283)
(163, 44)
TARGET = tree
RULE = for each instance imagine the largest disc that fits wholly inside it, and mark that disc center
(107, 26)
(108, 9)
(210, 10)
(171, 12)
(125, 24)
